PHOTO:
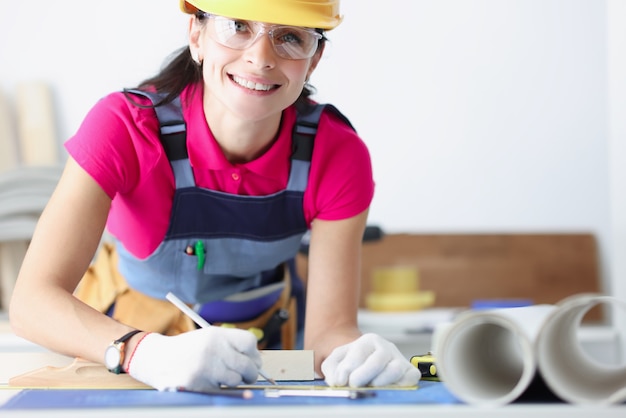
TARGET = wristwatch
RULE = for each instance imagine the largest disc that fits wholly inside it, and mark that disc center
(114, 354)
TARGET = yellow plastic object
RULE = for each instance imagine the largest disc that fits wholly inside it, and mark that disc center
(399, 302)
(397, 279)
(396, 288)
(322, 14)
(258, 332)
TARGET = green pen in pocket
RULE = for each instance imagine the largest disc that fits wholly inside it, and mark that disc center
(200, 253)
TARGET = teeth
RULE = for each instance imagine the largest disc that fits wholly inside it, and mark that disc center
(251, 85)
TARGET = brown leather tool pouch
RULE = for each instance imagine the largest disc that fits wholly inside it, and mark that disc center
(103, 285)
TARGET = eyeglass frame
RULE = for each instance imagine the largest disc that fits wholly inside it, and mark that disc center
(267, 29)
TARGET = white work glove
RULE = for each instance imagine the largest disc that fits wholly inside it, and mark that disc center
(369, 361)
(197, 360)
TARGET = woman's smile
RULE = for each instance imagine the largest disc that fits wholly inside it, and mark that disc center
(252, 85)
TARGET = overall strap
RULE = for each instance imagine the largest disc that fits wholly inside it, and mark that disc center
(304, 131)
(173, 134)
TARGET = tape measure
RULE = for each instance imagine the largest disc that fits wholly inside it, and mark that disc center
(426, 365)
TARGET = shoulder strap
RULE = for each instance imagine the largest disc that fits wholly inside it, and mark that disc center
(171, 124)
(172, 134)
(303, 135)
(305, 129)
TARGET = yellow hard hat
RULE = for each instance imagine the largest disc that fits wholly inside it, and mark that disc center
(322, 14)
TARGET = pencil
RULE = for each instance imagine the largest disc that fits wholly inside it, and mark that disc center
(203, 323)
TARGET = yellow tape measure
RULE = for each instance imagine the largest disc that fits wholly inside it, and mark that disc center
(426, 365)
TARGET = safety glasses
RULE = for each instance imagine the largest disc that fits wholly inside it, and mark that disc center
(290, 42)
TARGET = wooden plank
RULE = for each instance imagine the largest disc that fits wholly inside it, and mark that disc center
(285, 365)
(8, 142)
(78, 374)
(282, 365)
(460, 268)
(36, 124)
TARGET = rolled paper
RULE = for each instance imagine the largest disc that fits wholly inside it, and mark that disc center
(494, 357)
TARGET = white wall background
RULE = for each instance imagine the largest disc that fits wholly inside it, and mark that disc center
(481, 115)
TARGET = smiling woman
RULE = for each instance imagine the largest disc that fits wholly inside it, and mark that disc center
(477, 119)
(207, 176)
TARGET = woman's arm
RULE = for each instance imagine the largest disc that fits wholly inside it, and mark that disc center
(343, 356)
(43, 309)
(333, 285)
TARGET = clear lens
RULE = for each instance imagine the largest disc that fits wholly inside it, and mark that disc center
(289, 42)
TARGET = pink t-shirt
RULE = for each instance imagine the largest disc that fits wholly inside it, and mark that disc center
(118, 145)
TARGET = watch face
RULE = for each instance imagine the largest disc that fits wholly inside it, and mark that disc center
(112, 357)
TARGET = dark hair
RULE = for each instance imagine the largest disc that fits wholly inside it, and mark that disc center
(180, 70)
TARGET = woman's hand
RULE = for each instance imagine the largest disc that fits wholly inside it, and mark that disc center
(197, 360)
(370, 360)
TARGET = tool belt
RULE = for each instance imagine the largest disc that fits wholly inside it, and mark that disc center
(103, 287)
